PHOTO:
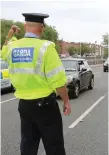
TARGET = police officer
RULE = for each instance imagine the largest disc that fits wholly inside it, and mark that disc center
(37, 73)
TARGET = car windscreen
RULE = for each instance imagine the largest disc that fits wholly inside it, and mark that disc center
(3, 65)
(70, 65)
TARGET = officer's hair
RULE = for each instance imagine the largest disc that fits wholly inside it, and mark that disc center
(34, 24)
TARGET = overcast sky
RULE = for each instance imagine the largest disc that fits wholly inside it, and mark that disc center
(76, 20)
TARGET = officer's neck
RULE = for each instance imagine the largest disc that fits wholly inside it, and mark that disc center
(38, 34)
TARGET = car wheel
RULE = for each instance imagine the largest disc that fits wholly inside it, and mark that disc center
(91, 84)
(76, 90)
(104, 70)
(12, 89)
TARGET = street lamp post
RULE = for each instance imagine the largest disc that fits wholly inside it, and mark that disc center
(80, 48)
(95, 51)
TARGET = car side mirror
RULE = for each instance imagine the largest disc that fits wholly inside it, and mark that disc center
(83, 69)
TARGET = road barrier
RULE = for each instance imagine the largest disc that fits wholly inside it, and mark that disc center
(94, 62)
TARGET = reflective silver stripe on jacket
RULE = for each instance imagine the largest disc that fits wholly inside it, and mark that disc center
(55, 71)
(40, 56)
(32, 71)
(25, 71)
(22, 70)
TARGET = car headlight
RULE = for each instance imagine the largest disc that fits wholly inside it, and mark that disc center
(69, 79)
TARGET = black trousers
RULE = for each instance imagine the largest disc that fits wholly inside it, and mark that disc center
(41, 119)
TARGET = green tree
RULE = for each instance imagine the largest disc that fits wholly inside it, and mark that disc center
(21, 26)
(105, 39)
(5, 26)
(77, 49)
(105, 43)
(85, 48)
(106, 54)
(50, 33)
(58, 49)
(72, 50)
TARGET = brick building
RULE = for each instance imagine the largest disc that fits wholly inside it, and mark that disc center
(65, 45)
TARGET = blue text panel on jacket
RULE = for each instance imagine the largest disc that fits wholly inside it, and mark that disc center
(22, 54)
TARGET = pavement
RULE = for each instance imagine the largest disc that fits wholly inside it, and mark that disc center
(85, 130)
(96, 65)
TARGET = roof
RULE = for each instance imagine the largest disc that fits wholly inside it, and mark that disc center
(76, 59)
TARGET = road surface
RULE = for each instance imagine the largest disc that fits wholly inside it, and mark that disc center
(85, 130)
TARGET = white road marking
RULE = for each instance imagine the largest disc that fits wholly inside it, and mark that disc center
(83, 115)
(8, 100)
(86, 112)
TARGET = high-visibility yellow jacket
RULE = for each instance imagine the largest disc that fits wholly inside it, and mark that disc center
(13, 38)
(35, 68)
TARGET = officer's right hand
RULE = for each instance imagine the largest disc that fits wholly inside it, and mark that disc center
(67, 108)
(13, 30)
